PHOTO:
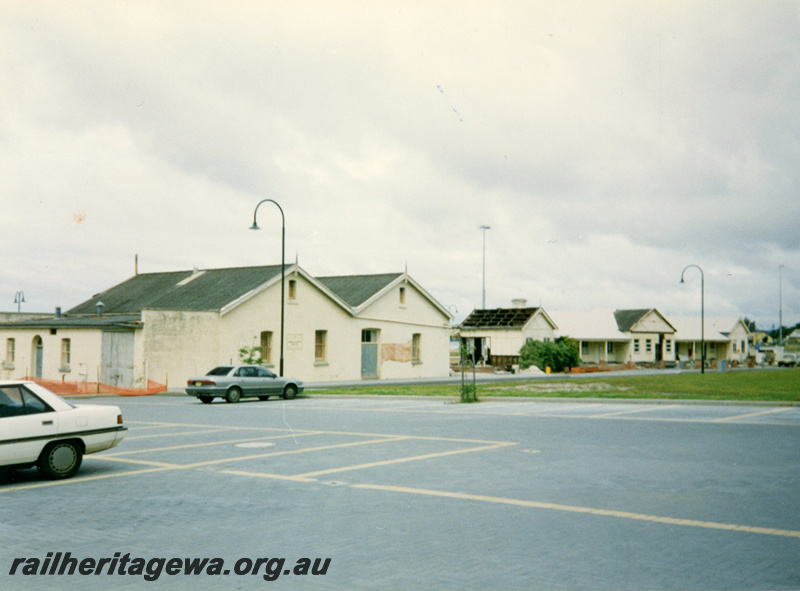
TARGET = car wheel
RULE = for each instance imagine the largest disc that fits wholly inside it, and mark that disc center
(289, 392)
(233, 395)
(263, 398)
(206, 399)
(60, 459)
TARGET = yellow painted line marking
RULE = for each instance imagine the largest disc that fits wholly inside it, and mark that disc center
(628, 412)
(295, 451)
(180, 434)
(229, 427)
(700, 421)
(589, 510)
(78, 480)
(206, 444)
(410, 406)
(140, 427)
(389, 436)
(401, 460)
(548, 411)
(624, 418)
(156, 424)
(752, 414)
(112, 458)
(346, 433)
(556, 413)
(214, 428)
(267, 475)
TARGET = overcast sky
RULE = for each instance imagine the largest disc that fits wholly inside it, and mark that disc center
(607, 144)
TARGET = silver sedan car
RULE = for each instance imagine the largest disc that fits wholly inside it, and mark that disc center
(234, 382)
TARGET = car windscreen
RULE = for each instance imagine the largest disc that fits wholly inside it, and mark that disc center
(222, 370)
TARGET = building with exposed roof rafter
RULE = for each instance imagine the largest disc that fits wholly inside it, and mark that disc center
(638, 336)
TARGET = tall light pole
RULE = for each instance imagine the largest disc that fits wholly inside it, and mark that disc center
(283, 265)
(483, 282)
(780, 303)
(19, 297)
(702, 316)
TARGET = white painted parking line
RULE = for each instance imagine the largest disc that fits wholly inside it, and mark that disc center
(628, 412)
(752, 414)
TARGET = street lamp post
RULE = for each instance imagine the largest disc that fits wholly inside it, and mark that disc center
(702, 316)
(283, 265)
(483, 281)
(19, 297)
(780, 304)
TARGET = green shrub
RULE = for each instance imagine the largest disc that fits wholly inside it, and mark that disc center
(558, 355)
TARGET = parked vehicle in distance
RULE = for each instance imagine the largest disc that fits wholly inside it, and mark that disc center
(234, 382)
(789, 360)
(39, 428)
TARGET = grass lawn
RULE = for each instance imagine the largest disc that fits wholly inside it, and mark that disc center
(767, 385)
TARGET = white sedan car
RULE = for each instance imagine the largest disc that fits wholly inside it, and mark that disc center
(39, 428)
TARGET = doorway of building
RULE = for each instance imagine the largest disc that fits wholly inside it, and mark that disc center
(116, 367)
(369, 353)
(37, 356)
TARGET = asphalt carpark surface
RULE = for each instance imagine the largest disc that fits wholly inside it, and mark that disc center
(413, 493)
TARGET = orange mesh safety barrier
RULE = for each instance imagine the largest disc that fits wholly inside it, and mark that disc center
(63, 388)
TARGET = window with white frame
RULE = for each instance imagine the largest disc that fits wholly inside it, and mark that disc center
(66, 353)
(648, 345)
(635, 345)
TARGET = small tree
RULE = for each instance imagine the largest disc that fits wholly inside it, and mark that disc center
(250, 355)
(469, 392)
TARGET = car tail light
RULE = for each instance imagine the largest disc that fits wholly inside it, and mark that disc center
(119, 419)
(200, 383)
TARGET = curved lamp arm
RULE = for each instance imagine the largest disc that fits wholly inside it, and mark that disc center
(283, 264)
(702, 315)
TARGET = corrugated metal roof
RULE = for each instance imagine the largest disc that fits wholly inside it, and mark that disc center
(354, 290)
(627, 318)
(717, 328)
(117, 321)
(213, 289)
(499, 318)
(593, 325)
(210, 289)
